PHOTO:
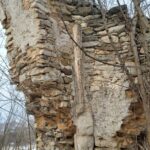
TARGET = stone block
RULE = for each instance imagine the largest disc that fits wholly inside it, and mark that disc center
(106, 39)
(124, 39)
(88, 30)
(84, 142)
(108, 143)
(116, 29)
(90, 44)
(85, 124)
(131, 67)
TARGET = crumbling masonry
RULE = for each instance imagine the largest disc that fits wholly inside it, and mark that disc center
(78, 103)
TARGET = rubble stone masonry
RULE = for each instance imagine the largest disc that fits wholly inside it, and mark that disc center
(78, 103)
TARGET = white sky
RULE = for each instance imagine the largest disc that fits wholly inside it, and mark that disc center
(2, 42)
(8, 93)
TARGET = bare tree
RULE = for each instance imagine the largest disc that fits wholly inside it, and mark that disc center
(16, 126)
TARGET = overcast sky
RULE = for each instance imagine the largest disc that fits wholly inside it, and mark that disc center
(8, 93)
(2, 42)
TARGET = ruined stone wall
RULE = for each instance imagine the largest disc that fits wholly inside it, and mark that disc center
(49, 68)
(107, 87)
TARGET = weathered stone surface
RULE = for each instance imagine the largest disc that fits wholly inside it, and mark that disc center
(84, 11)
(132, 67)
(88, 31)
(84, 142)
(2, 14)
(107, 143)
(90, 44)
(124, 39)
(41, 56)
(115, 29)
(106, 39)
(84, 124)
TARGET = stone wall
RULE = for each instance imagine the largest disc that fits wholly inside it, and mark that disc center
(78, 102)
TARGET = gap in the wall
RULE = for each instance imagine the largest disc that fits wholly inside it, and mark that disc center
(14, 124)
